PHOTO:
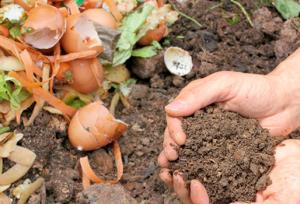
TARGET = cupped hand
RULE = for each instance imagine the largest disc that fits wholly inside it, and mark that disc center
(285, 176)
(273, 99)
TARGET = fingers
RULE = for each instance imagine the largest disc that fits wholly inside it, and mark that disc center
(169, 147)
(162, 160)
(166, 177)
(175, 130)
(287, 148)
(180, 188)
(198, 193)
(214, 88)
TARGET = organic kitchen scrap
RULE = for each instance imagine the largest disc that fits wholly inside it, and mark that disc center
(62, 56)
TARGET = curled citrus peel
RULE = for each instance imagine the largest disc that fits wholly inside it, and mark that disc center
(89, 175)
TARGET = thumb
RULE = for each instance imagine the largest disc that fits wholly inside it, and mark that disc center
(198, 193)
(201, 93)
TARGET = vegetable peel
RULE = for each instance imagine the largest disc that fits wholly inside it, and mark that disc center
(88, 173)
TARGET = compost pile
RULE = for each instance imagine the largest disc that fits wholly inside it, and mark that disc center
(231, 155)
(60, 58)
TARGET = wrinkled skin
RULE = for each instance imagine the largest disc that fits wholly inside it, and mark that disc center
(273, 99)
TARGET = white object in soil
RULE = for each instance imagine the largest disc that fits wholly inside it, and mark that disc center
(178, 61)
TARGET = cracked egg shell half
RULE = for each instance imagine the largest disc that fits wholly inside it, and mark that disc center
(48, 26)
(87, 75)
(81, 33)
(93, 127)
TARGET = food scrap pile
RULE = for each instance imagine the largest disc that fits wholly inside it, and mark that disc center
(64, 57)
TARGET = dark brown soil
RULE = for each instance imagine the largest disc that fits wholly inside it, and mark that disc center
(216, 46)
(229, 154)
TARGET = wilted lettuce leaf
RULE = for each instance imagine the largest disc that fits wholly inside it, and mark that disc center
(76, 99)
(15, 31)
(287, 8)
(11, 90)
(76, 103)
(129, 29)
(148, 51)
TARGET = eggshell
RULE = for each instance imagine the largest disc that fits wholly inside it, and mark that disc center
(81, 33)
(84, 79)
(48, 26)
(93, 127)
(178, 61)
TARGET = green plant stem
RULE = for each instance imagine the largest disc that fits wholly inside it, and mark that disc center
(187, 17)
(243, 10)
(215, 6)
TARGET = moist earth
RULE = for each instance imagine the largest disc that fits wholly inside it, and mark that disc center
(220, 44)
(231, 155)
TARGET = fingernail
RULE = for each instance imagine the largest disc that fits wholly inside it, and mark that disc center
(174, 106)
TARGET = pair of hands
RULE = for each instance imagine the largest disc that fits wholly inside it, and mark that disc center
(273, 99)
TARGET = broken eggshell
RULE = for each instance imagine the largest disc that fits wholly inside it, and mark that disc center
(87, 75)
(81, 33)
(178, 61)
(93, 127)
(47, 24)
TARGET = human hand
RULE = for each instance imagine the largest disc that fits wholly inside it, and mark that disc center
(272, 99)
(285, 178)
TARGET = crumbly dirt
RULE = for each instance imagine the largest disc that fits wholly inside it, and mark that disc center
(214, 47)
(231, 155)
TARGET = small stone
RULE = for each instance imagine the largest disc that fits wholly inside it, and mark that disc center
(103, 160)
(34, 199)
(209, 40)
(146, 68)
(139, 146)
(139, 153)
(146, 141)
(105, 194)
(178, 81)
(157, 82)
(139, 91)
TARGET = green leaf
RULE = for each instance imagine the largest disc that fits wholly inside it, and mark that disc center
(15, 31)
(76, 99)
(287, 8)
(148, 51)
(145, 52)
(11, 90)
(4, 130)
(233, 20)
(76, 103)
(130, 26)
(79, 2)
